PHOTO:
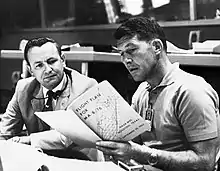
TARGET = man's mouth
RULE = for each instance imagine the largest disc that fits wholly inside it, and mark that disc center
(132, 69)
(49, 76)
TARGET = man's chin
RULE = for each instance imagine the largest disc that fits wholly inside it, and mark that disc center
(51, 84)
(137, 78)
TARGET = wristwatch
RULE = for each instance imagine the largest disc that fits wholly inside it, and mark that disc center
(153, 159)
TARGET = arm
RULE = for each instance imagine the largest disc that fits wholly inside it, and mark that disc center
(47, 140)
(12, 125)
(201, 156)
(12, 122)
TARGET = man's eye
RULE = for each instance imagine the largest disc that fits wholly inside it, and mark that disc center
(122, 53)
(131, 51)
(38, 66)
(51, 61)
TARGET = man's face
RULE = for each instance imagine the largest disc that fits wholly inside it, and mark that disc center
(46, 65)
(138, 57)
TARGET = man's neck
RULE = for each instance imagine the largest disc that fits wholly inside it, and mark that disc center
(60, 85)
(159, 72)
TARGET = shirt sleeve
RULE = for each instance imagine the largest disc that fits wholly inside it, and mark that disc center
(197, 110)
(49, 140)
(12, 122)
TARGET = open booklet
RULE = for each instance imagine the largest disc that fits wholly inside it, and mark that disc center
(100, 113)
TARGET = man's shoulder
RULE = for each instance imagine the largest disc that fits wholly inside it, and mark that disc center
(195, 85)
(191, 81)
(25, 83)
(76, 76)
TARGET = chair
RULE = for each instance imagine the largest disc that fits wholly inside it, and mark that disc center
(5, 97)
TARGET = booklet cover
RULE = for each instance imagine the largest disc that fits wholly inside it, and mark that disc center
(99, 113)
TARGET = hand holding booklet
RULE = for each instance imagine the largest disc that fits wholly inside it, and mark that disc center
(100, 113)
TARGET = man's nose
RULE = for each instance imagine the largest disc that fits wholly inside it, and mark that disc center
(128, 60)
(47, 67)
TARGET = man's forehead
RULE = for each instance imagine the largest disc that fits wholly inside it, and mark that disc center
(45, 48)
(126, 42)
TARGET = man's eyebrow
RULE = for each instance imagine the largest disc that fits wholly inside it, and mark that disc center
(51, 58)
(37, 62)
(48, 59)
(130, 44)
(115, 49)
(127, 45)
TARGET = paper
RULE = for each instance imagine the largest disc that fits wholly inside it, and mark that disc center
(171, 48)
(208, 46)
(16, 156)
(70, 125)
(59, 164)
(99, 113)
(21, 157)
(159, 3)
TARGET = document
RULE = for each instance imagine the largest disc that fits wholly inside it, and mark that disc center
(22, 157)
(59, 164)
(99, 113)
(16, 156)
(70, 125)
(159, 3)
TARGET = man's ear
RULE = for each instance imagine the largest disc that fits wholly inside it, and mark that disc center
(63, 58)
(157, 45)
(29, 70)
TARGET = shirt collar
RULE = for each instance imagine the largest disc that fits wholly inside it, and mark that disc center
(169, 77)
(59, 87)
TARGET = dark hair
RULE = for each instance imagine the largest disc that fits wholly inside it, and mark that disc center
(39, 42)
(143, 27)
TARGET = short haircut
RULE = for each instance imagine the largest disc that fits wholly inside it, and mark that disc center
(143, 27)
(39, 42)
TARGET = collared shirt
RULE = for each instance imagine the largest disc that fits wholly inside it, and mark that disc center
(185, 110)
(59, 87)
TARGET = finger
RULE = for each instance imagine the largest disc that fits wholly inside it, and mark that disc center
(15, 139)
(111, 158)
(107, 144)
(43, 168)
(105, 150)
(116, 158)
(108, 157)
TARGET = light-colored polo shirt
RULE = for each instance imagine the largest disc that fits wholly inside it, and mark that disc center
(186, 109)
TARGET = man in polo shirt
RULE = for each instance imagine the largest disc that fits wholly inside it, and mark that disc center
(182, 109)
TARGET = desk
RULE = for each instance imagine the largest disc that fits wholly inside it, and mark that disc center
(21, 157)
